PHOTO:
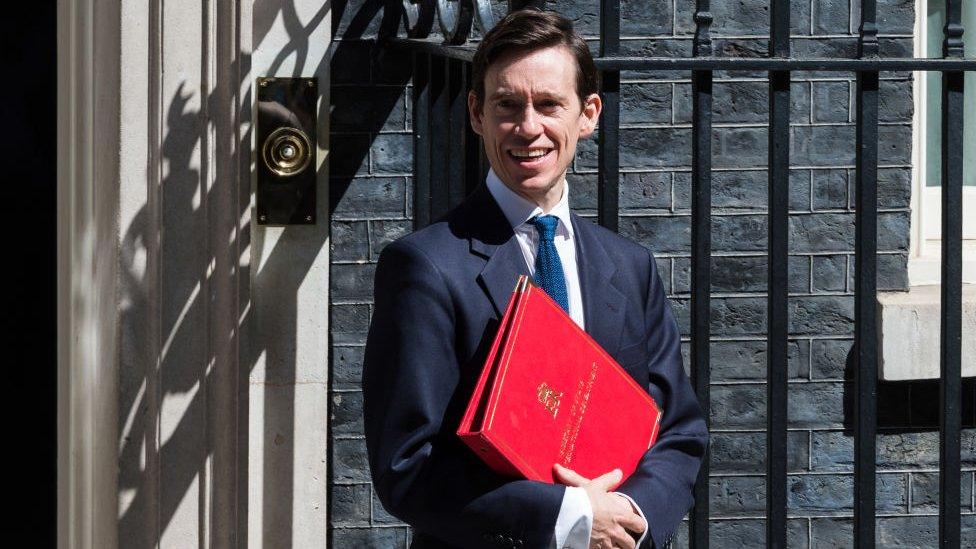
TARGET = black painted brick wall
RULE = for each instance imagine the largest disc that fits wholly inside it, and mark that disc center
(370, 167)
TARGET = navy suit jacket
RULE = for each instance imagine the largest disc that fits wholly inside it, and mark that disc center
(439, 294)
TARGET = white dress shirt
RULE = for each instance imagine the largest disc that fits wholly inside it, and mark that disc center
(575, 520)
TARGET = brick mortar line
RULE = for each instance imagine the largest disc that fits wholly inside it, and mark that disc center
(353, 262)
(734, 213)
(909, 492)
(373, 40)
(826, 473)
(658, 37)
(820, 429)
(726, 253)
(761, 294)
(715, 383)
(643, 126)
(790, 381)
(370, 526)
(793, 381)
(747, 79)
(348, 219)
(687, 168)
(660, 212)
(683, 297)
(796, 338)
(844, 515)
(757, 125)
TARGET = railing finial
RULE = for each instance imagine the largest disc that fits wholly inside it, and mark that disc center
(703, 20)
(952, 46)
(867, 44)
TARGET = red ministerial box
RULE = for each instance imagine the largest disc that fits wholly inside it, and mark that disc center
(550, 394)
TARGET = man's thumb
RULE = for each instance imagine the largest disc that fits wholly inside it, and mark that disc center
(607, 481)
(568, 477)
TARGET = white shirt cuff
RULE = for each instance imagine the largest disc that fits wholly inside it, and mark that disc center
(575, 520)
(639, 512)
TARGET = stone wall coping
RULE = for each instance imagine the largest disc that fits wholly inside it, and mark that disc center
(908, 333)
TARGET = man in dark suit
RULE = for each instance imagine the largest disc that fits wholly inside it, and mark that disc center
(439, 295)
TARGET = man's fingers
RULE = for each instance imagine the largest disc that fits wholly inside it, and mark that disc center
(568, 477)
(633, 522)
(622, 539)
(607, 481)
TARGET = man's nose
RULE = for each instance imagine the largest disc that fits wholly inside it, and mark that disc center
(528, 125)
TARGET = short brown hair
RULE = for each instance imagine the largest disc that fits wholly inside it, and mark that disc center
(527, 30)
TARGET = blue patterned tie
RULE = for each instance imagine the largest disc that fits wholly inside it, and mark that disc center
(548, 269)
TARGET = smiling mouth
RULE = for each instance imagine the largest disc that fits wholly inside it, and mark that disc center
(528, 155)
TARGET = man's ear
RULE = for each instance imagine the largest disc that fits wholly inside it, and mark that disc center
(591, 113)
(474, 112)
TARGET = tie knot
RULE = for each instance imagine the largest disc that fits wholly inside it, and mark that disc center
(546, 226)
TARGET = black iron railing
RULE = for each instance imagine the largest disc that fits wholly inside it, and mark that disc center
(447, 153)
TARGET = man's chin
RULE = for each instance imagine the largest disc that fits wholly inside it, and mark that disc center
(537, 180)
(535, 184)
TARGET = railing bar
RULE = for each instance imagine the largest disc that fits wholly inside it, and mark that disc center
(466, 53)
(473, 149)
(865, 291)
(950, 364)
(701, 219)
(950, 391)
(456, 133)
(701, 209)
(791, 64)
(865, 286)
(608, 152)
(777, 300)
(609, 28)
(779, 28)
(777, 307)
(439, 115)
(609, 161)
(421, 139)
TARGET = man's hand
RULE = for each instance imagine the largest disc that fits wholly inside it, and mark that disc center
(613, 516)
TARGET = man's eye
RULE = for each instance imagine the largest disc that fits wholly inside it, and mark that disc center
(507, 104)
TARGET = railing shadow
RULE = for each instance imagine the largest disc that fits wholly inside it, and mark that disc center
(162, 463)
(358, 65)
(907, 406)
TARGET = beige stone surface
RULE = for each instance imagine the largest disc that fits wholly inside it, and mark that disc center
(909, 326)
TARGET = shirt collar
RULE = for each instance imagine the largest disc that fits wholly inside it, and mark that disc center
(518, 210)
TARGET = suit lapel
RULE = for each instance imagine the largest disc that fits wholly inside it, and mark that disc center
(603, 305)
(493, 239)
(501, 271)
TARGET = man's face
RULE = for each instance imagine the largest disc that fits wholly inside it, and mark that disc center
(531, 119)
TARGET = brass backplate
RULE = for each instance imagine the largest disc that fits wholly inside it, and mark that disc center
(286, 145)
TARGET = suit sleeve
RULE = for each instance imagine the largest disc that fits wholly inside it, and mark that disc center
(422, 472)
(662, 483)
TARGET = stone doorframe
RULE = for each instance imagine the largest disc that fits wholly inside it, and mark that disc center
(192, 344)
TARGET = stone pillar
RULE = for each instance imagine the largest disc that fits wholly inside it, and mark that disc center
(192, 343)
(289, 338)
